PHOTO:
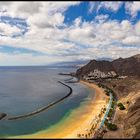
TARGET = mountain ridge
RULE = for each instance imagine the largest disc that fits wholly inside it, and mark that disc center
(122, 66)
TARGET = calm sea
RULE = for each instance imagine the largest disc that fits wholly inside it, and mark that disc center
(25, 89)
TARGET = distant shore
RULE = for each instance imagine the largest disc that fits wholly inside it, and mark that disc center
(78, 124)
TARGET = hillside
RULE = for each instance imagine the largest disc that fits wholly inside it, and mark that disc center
(128, 66)
(123, 77)
(128, 92)
(122, 67)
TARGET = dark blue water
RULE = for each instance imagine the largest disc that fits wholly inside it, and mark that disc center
(25, 89)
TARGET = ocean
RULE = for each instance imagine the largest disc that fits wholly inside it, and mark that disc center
(26, 89)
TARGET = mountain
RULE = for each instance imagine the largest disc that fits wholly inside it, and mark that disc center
(121, 67)
(128, 66)
(74, 64)
(126, 89)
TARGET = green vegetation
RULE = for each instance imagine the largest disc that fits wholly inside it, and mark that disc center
(99, 85)
(121, 106)
(112, 109)
(110, 113)
(113, 104)
(107, 94)
(110, 126)
(108, 91)
(106, 121)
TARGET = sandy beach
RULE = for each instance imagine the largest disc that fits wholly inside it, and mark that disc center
(94, 110)
(78, 124)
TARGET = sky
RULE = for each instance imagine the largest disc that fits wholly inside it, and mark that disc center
(40, 33)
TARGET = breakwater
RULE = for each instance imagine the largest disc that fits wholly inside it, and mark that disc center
(76, 80)
(68, 79)
(45, 107)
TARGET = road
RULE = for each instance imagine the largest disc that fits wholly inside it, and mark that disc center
(107, 111)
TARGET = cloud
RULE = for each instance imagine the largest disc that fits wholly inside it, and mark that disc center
(137, 28)
(21, 59)
(78, 21)
(26, 9)
(132, 8)
(101, 18)
(113, 6)
(131, 40)
(93, 7)
(41, 14)
(100, 37)
(48, 34)
(43, 21)
(85, 40)
(8, 30)
(96, 6)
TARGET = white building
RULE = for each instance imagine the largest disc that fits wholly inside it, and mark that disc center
(99, 74)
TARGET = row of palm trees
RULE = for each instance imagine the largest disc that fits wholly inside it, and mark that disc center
(94, 123)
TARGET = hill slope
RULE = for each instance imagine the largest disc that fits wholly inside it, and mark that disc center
(122, 66)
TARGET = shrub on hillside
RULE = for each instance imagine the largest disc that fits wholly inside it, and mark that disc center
(110, 112)
(121, 106)
(112, 126)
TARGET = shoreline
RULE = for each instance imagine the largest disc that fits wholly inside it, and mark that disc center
(96, 105)
(77, 125)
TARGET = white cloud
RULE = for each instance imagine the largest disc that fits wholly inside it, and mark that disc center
(101, 18)
(81, 33)
(113, 6)
(43, 21)
(99, 37)
(137, 28)
(27, 59)
(93, 7)
(41, 14)
(78, 21)
(8, 30)
(132, 8)
(26, 9)
(132, 40)
(96, 6)
(86, 40)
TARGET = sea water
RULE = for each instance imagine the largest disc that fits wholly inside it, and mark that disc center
(26, 89)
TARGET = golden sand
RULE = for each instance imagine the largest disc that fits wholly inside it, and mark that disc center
(77, 124)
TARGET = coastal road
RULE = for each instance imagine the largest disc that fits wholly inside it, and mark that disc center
(107, 111)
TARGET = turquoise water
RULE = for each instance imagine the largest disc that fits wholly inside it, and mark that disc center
(25, 89)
